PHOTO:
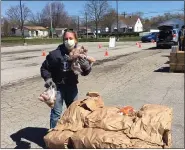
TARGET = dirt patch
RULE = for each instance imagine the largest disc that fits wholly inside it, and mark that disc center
(20, 82)
(131, 56)
(17, 52)
(121, 61)
(33, 64)
(22, 58)
(100, 62)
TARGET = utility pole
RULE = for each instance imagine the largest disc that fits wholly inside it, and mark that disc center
(86, 25)
(22, 24)
(117, 18)
(184, 12)
(78, 23)
(124, 14)
(51, 21)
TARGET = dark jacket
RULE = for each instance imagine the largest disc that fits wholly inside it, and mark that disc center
(57, 67)
(179, 36)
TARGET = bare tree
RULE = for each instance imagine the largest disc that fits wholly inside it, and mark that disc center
(166, 16)
(59, 15)
(73, 22)
(36, 19)
(109, 18)
(14, 14)
(5, 27)
(95, 10)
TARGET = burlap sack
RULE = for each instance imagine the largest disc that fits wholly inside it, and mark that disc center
(74, 117)
(58, 139)
(99, 138)
(108, 118)
(153, 125)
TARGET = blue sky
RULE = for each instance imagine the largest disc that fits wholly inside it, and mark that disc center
(75, 7)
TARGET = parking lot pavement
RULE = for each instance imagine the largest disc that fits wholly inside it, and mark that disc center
(25, 63)
(135, 80)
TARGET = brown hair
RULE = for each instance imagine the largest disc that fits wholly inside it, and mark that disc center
(71, 31)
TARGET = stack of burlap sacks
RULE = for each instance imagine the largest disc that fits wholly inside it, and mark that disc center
(89, 124)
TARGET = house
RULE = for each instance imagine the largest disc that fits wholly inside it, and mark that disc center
(138, 27)
(83, 30)
(128, 25)
(176, 23)
(133, 24)
(31, 31)
(99, 29)
(121, 26)
(59, 31)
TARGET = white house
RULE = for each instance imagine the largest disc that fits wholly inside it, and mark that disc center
(32, 31)
(128, 25)
(138, 27)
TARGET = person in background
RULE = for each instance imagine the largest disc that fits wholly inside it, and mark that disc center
(180, 37)
(183, 38)
(56, 71)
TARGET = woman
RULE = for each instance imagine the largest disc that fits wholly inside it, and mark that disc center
(56, 71)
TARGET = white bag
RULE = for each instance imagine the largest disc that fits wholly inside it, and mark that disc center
(48, 96)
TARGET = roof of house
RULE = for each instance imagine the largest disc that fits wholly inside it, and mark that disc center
(60, 28)
(35, 28)
(130, 21)
(126, 22)
(84, 28)
(121, 24)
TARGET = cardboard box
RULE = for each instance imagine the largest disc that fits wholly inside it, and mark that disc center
(177, 67)
(177, 57)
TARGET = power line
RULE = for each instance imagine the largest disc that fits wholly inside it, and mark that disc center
(153, 12)
(184, 12)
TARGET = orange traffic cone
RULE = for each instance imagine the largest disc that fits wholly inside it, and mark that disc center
(106, 53)
(43, 53)
(99, 46)
(139, 45)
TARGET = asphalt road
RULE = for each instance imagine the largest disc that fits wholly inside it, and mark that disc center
(135, 79)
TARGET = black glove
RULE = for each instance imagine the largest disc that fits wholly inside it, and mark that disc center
(49, 82)
(84, 63)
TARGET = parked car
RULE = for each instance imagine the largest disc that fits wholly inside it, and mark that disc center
(167, 36)
(150, 37)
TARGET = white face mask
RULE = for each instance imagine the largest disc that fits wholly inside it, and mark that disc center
(69, 44)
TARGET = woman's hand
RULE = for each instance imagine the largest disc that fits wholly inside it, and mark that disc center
(82, 56)
(49, 82)
(44, 97)
(84, 64)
